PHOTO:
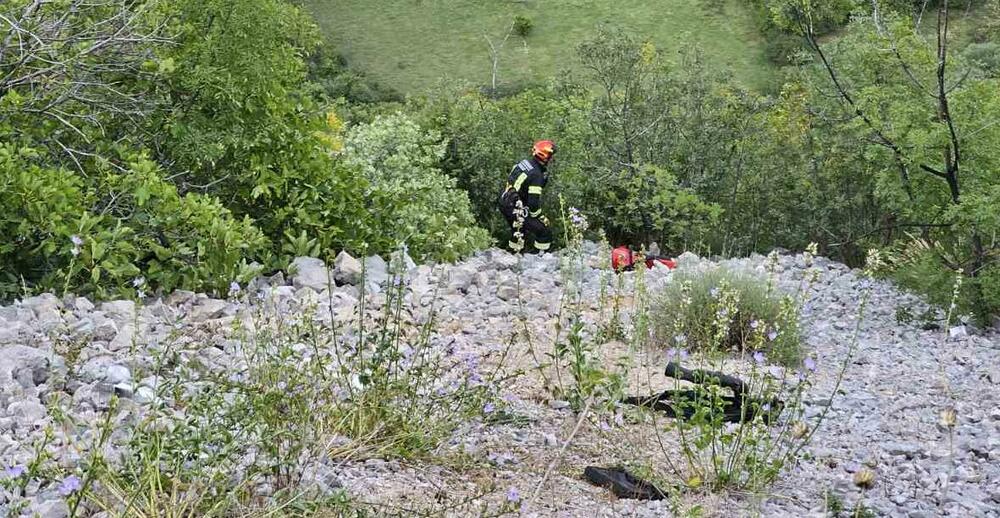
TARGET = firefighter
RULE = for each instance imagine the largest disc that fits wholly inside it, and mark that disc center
(524, 185)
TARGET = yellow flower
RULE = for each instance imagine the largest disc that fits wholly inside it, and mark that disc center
(648, 53)
(948, 417)
(864, 478)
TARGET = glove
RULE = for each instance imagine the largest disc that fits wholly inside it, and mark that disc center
(544, 220)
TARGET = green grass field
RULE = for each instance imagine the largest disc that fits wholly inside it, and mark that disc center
(412, 45)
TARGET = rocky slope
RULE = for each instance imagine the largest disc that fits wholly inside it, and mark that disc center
(886, 416)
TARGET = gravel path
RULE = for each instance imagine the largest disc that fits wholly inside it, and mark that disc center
(885, 417)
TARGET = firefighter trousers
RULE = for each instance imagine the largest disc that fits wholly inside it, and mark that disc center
(534, 227)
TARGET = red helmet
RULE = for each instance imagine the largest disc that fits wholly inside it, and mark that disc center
(543, 150)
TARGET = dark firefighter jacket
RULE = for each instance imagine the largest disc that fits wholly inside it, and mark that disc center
(525, 182)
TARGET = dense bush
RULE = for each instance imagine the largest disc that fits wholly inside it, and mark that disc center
(58, 233)
(986, 56)
(206, 151)
(410, 200)
(650, 206)
(687, 314)
(333, 78)
(523, 25)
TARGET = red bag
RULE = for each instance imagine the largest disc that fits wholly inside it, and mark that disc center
(622, 258)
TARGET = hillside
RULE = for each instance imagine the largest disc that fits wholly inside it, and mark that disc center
(413, 45)
(64, 359)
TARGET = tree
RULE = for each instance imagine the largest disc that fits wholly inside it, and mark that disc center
(74, 63)
(925, 115)
(413, 203)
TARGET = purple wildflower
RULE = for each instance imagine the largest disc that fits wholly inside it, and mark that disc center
(772, 335)
(766, 407)
(70, 485)
(513, 495)
(810, 364)
(14, 471)
(488, 408)
(77, 243)
(759, 358)
(754, 324)
(234, 289)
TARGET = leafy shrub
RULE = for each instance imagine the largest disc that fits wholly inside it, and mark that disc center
(59, 234)
(917, 267)
(782, 48)
(688, 312)
(989, 282)
(651, 206)
(331, 75)
(190, 241)
(523, 25)
(410, 200)
(986, 56)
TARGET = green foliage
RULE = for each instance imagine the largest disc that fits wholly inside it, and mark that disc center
(989, 284)
(523, 25)
(189, 241)
(986, 56)
(141, 227)
(917, 266)
(782, 48)
(411, 200)
(334, 79)
(485, 138)
(689, 311)
(649, 206)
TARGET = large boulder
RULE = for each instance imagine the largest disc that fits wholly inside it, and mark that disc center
(27, 412)
(347, 270)
(688, 260)
(401, 262)
(121, 311)
(309, 272)
(208, 309)
(28, 365)
(376, 271)
(11, 332)
(461, 277)
(42, 304)
(50, 509)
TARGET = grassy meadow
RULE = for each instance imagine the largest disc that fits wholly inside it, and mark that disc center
(411, 45)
